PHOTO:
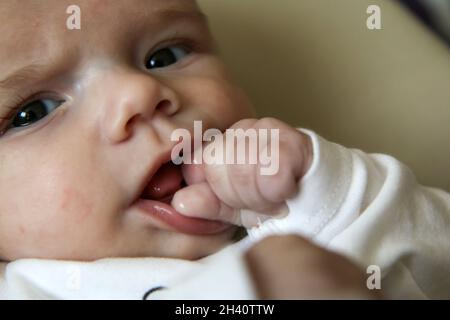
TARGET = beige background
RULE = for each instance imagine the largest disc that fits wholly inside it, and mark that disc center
(313, 63)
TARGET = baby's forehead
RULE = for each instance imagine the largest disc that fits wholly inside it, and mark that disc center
(94, 6)
(32, 14)
(35, 30)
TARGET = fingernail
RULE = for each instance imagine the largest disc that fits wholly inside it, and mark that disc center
(178, 205)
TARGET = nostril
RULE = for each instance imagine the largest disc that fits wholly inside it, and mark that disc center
(166, 107)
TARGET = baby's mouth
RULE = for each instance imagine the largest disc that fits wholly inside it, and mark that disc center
(155, 201)
(164, 183)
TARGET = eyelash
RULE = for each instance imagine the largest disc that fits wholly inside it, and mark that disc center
(18, 101)
(189, 44)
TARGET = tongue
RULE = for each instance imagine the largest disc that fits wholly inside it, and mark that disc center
(165, 182)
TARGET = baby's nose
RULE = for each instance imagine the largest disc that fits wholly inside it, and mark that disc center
(134, 98)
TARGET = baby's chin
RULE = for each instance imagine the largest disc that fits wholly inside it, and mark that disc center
(180, 246)
(185, 246)
(191, 247)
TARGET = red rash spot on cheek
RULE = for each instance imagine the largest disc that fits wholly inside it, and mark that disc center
(67, 196)
(74, 202)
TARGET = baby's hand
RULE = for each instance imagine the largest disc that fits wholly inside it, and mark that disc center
(290, 267)
(227, 192)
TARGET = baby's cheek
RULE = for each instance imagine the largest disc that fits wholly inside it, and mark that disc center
(224, 102)
(231, 104)
(72, 202)
(55, 207)
(54, 226)
(35, 226)
(58, 196)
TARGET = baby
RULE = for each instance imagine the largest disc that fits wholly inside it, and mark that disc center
(87, 118)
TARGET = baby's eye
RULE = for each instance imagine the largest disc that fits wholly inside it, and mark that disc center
(166, 56)
(34, 111)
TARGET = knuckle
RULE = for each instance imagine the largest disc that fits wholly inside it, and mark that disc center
(280, 186)
(244, 123)
(269, 121)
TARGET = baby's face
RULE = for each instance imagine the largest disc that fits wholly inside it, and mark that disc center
(86, 117)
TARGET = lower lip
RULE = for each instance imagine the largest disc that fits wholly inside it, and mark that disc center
(167, 214)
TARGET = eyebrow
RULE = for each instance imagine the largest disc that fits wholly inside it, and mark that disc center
(22, 76)
(176, 14)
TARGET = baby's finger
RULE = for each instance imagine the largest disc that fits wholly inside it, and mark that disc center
(236, 184)
(193, 172)
(197, 201)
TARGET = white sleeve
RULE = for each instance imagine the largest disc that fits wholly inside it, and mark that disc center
(370, 208)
